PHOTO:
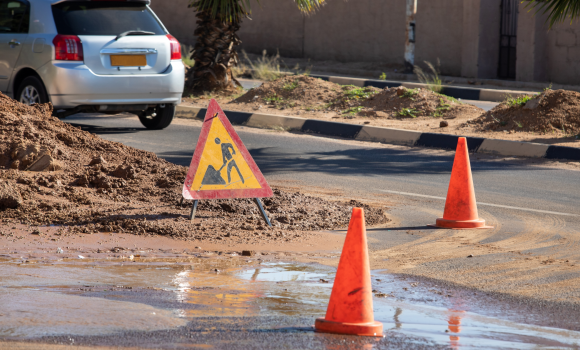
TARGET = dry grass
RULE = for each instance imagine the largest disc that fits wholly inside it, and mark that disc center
(432, 80)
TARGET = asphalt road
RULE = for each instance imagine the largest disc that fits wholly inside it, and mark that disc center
(355, 166)
(412, 182)
(510, 196)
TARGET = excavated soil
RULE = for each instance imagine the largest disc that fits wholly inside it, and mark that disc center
(52, 173)
(552, 111)
(411, 103)
(313, 94)
(306, 93)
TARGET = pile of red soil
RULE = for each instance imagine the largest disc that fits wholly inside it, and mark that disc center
(551, 111)
(306, 93)
(401, 103)
(52, 173)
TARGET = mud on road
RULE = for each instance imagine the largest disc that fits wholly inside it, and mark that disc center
(55, 174)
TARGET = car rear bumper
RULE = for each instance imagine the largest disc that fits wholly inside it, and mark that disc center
(71, 84)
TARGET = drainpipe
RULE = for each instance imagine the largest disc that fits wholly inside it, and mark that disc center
(410, 42)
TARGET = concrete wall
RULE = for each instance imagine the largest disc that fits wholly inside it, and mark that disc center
(462, 34)
(489, 36)
(563, 54)
(177, 18)
(438, 37)
(361, 30)
(275, 25)
(532, 58)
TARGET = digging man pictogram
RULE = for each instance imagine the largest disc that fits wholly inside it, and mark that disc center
(214, 177)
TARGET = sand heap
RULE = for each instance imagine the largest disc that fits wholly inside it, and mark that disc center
(552, 111)
(54, 173)
(401, 103)
(306, 93)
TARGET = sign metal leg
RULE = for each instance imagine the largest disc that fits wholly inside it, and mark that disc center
(193, 209)
(262, 211)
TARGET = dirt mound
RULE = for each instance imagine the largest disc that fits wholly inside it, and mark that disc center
(306, 93)
(552, 111)
(90, 184)
(411, 103)
(312, 94)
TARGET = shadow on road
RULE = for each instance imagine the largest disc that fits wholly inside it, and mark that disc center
(100, 130)
(366, 162)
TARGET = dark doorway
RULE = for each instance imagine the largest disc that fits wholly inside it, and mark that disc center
(508, 39)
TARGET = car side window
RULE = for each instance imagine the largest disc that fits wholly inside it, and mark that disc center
(14, 16)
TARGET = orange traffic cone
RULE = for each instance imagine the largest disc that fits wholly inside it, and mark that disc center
(460, 206)
(350, 310)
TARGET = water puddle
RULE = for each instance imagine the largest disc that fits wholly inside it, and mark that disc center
(97, 298)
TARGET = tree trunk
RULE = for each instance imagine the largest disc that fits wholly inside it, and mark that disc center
(214, 55)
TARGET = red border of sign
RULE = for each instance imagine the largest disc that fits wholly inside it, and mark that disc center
(265, 191)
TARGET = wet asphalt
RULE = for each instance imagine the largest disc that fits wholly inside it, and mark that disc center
(354, 169)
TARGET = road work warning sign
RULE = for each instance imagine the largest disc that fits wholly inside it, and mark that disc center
(221, 166)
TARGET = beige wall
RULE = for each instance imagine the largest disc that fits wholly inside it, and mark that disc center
(275, 25)
(361, 30)
(438, 37)
(563, 54)
(357, 30)
(177, 18)
(463, 34)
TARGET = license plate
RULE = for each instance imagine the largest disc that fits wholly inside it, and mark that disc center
(128, 60)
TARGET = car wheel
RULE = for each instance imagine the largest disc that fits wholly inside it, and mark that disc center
(31, 91)
(157, 118)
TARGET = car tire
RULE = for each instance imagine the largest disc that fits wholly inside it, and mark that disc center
(157, 118)
(30, 91)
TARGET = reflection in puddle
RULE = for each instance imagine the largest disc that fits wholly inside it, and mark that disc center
(281, 289)
(58, 295)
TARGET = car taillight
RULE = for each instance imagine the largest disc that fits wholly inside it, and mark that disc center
(68, 48)
(175, 48)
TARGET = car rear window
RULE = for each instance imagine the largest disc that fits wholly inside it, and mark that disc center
(104, 18)
(14, 16)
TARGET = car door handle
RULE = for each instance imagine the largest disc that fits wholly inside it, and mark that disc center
(14, 43)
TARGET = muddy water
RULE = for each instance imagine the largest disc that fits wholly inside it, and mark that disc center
(55, 297)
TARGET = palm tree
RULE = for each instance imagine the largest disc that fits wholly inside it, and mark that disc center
(558, 10)
(214, 52)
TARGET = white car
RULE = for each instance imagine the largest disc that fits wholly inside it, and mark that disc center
(91, 56)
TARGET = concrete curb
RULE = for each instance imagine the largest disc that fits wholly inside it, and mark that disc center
(464, 93)
(389, 135)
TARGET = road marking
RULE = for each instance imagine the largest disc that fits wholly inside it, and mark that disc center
(481, 203)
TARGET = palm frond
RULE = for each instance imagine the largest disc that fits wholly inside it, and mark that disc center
(234, 11)
(558, 10)
(307, 6)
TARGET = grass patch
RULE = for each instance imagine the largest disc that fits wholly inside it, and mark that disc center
(352, 92)
(432, 80)
(290, 86)
(407, 112)
(383, 76)
(410, 94)
(352, 110)
(273, 99)
(265, 68)
(441, 108)
(452, 99)
(517, 102)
